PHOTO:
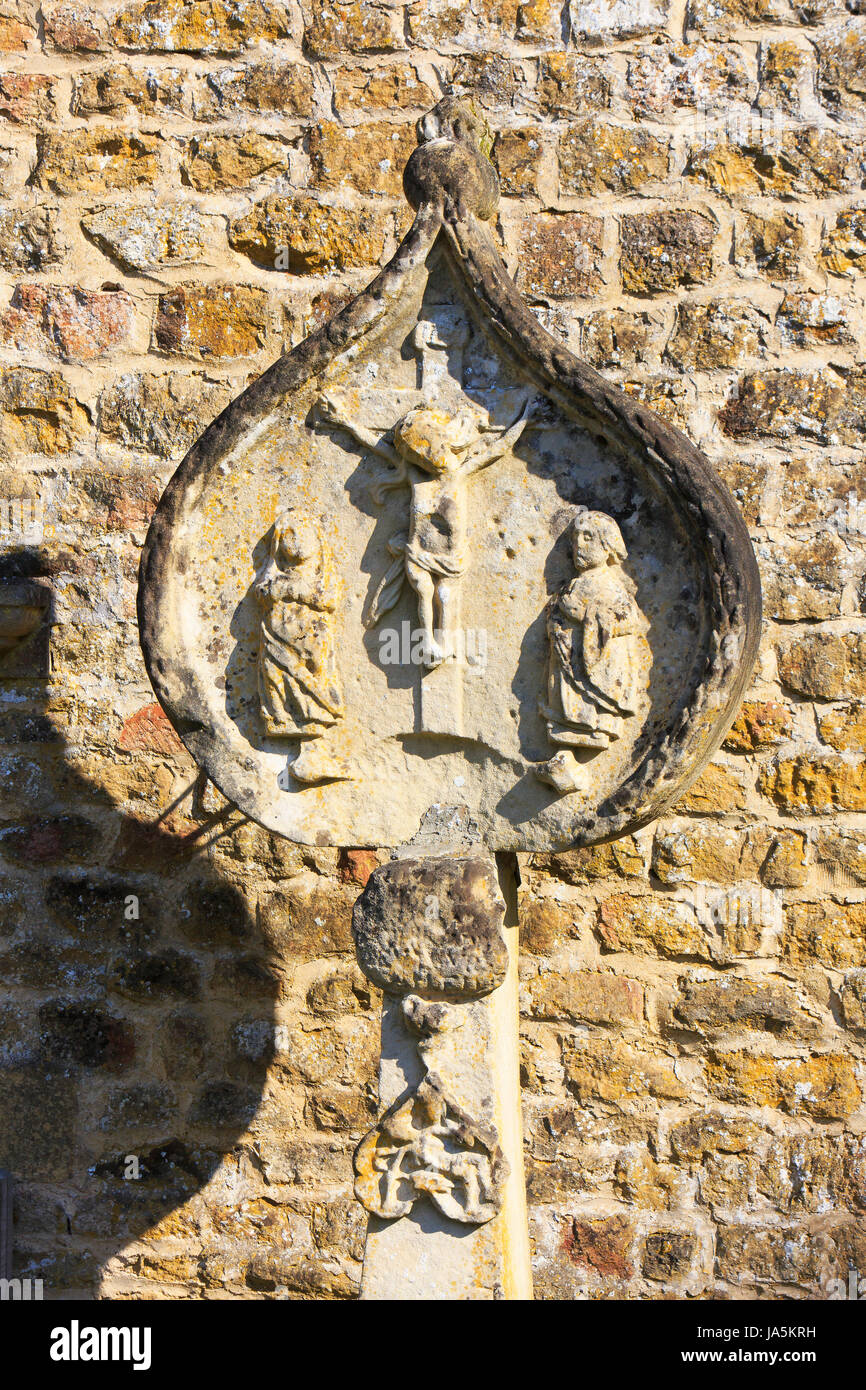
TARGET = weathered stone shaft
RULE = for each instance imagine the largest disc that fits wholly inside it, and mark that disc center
(446, 1153)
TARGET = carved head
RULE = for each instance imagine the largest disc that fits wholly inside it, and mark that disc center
(595, 540)
(434, 440)
(295, 537)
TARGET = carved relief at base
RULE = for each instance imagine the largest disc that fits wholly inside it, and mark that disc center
(599, 658)
(428, 1146)
(300, 693)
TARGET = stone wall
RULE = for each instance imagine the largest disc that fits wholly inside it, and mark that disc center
(188, 1051)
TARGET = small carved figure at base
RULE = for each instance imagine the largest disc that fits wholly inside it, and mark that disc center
(599, 659)
(427, 1146)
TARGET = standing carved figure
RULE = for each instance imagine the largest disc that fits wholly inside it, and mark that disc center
(433, 451)
(299, 685)
(599, 657)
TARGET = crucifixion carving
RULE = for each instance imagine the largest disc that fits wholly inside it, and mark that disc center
(432, 451)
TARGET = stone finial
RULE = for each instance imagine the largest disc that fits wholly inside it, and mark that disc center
(450, 168)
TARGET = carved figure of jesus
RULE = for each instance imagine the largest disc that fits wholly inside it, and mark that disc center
(433, 451)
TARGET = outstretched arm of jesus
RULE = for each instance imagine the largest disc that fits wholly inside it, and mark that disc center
(329, 411)
(487, 451)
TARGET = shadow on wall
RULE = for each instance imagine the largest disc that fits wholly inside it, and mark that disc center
(137, 1019)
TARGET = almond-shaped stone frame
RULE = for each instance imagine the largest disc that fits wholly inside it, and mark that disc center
(454, 190)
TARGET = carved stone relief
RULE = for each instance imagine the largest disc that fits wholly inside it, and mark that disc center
(600, 660)
(299, 685)
(426, 1145)
(435, 635)
(432, 452)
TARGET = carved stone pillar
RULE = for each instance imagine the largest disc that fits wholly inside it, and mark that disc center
(441, 1172)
